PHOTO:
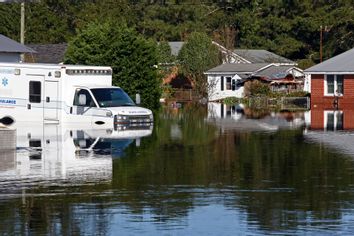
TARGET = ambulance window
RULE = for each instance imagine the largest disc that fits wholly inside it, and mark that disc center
(89, 100)
(35, 91)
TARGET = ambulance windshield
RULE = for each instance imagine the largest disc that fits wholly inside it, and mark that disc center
(112, 97)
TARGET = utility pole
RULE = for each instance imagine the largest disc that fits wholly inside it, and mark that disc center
(323, 29)
(22, 27)
(321, 43)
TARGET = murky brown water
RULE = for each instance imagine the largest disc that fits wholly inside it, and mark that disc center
(194, 173)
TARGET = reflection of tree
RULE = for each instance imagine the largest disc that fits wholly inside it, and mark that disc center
(57, 215)
(289, 180)
(165, 161)
(283, 180)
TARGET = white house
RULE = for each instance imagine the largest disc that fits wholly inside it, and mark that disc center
(226, 80)
(10, 50)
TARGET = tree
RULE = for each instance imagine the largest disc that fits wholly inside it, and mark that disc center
(132, 58)
(164, 53)
(197, 56)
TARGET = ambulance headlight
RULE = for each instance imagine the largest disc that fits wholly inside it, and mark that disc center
(122, 117)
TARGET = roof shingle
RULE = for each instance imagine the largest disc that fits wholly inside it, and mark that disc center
(262, 56)
(342, 63)
(9, 45)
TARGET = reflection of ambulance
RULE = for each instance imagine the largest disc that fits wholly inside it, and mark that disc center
(52, 152)
(66, 94)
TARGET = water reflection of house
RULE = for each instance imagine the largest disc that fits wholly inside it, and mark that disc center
(332, 127)
(327, 118)
(236, 117)
(332, 81)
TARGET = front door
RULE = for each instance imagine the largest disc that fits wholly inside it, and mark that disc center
(51, 103)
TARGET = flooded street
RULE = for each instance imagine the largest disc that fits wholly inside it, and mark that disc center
(200, 170)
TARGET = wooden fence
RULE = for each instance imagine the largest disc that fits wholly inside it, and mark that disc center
(184, 95)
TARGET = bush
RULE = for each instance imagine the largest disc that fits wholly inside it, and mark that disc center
(231, 100)
(256, 88)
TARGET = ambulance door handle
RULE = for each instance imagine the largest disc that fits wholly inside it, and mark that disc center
(47, 99)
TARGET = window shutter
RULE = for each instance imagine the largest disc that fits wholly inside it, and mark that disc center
(222, 83)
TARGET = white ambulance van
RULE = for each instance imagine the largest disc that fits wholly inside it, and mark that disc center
(66, 94)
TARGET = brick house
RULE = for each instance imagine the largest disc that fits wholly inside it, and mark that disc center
(332, 93)
(332, 81)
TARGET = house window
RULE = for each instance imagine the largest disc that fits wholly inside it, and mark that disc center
(35, 91)
(333, 120)
(228, 83)
(334, 85)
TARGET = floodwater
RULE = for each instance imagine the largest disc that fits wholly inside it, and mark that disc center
(200, 170)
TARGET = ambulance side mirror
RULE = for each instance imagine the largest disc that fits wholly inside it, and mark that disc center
(137, 99)
(82, 99)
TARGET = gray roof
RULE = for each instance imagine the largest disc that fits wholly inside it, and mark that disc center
(9, 46)
(262, 56)
(237, 68)
(49, 53)
(275, 72)
(175, 47)
(342, 63)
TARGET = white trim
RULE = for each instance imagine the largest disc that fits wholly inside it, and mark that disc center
(335, 86)
(331, 73)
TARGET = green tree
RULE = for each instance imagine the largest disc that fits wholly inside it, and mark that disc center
(197, 56)
(164, 53)
(132, 58)
(10, 20)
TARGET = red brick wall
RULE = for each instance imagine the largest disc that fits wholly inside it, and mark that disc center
(348, 89)
(317, 92)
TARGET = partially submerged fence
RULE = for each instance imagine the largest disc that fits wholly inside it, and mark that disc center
(283, 103)
(184, 95)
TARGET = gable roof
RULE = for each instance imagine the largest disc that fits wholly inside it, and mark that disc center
(175, 47)
(237, 68)
(49, 53)
(276, 72)
(9, 46)
(262, 56)
(342, 63)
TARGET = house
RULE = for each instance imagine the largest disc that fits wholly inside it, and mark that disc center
(281, 78)
(10, 50)
(227, 80)
(332, 82)
(47, 53)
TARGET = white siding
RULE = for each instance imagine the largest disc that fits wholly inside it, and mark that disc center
(214, 87)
